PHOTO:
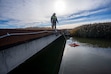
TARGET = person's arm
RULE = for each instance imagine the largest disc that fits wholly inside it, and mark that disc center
(51, 19)
(57, 20)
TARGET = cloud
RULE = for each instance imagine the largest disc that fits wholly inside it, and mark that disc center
(81, 5)
(25, 13)
(87, 16)
(87, 13)
(35, 10)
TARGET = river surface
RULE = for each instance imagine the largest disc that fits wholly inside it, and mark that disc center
(92, 56)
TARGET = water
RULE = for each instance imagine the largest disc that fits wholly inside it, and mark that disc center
(92, 56)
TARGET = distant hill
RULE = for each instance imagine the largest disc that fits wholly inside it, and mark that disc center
(96, 30)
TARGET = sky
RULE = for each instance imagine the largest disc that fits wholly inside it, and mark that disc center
(37, 13)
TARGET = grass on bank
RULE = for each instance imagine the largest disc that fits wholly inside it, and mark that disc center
(96, 30)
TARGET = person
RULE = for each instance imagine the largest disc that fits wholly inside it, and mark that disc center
(54, 21)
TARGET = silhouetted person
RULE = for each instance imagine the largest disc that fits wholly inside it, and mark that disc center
(54, 21)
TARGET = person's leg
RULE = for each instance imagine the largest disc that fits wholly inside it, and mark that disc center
(52, 25)
(55, 26)
(56, 33)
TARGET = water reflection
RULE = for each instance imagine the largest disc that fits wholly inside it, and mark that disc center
(86, 58)
(94, 42)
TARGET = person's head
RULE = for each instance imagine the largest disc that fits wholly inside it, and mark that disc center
(54, 14)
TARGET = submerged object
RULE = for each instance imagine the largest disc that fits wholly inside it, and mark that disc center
(73, 45)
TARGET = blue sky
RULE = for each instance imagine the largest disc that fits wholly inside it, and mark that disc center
(37, 13)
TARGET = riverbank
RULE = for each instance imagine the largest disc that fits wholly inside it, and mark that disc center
(96, 30)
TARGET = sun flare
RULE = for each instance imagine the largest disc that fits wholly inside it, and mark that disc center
(60, 7)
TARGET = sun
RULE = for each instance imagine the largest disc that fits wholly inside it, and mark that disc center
(60, 7)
